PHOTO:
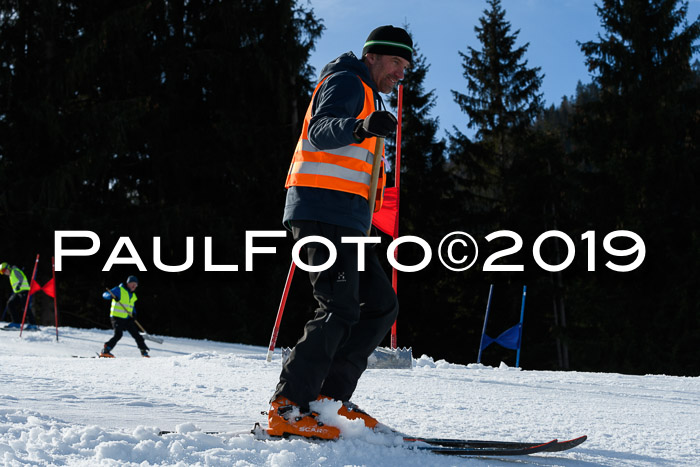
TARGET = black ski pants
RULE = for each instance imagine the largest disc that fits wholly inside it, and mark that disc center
(355, 311)
(125, 324)
(16, 304)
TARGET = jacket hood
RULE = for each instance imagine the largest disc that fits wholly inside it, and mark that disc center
(349, 62)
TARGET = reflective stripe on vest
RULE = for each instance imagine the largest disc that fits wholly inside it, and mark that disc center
(18, 281)
(348, 168)
(125, 306)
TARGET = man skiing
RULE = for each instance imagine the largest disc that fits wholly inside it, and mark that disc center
(18, 299)
(328, 191)
(122, 315)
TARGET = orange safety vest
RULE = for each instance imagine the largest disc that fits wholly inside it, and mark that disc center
(348, 168)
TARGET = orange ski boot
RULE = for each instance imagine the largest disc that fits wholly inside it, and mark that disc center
(106, 353)
(285, 418)
(353, 412)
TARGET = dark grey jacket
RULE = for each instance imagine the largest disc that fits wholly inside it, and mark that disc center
(339, 99)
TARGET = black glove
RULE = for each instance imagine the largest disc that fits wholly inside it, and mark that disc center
(380, 123)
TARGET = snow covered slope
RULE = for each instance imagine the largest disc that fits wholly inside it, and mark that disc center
(57, 409)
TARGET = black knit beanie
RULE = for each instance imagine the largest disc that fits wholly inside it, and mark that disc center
(388, 40)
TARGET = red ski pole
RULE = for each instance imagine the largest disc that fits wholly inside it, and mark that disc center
(55, 307)
(397, 178)
(280, 311)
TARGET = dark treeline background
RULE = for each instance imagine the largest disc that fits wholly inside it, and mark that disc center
(177, 119)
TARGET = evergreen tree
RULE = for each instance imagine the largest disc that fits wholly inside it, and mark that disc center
(638, 139)
(519, 174)
(501, 103)
(502, 92)
(152, 119)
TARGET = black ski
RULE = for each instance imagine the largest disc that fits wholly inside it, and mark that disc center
(482, 451)
(486, 444)
(444, 446)
(451, 447)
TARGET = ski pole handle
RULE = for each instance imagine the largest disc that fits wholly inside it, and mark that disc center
(374, 181)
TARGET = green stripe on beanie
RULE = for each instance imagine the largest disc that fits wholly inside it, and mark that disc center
(393, 44)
